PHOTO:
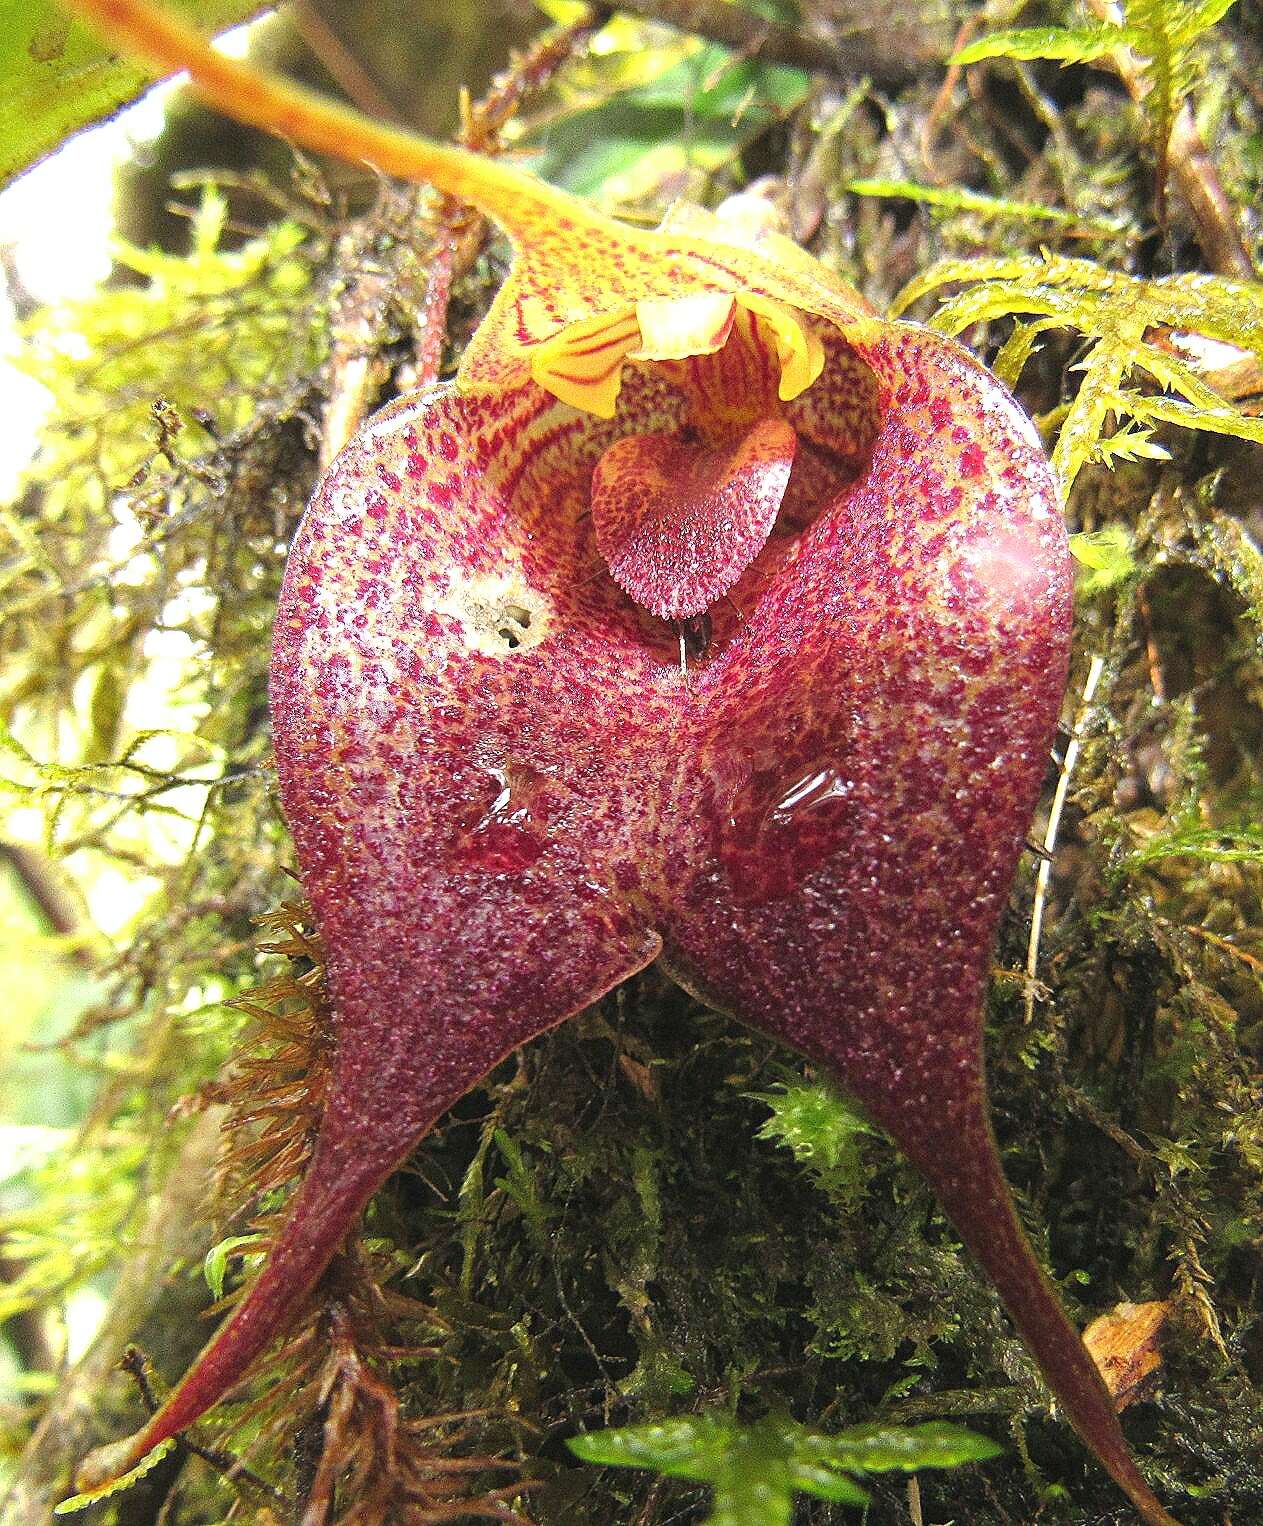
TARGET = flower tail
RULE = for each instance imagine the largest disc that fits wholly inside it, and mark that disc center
(339, 1182)
(966, 1175)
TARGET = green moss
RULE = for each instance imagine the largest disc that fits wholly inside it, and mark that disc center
(141, 566)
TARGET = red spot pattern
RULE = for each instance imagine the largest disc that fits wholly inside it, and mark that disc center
(815, 827)
(677, 523)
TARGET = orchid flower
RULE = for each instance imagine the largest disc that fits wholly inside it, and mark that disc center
(706, 617)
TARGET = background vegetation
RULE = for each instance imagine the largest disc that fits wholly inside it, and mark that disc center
(649, 1213)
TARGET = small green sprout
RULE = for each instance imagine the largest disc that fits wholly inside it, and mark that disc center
(756, 1470)
(813, 1121)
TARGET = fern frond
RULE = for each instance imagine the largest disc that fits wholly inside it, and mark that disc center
(959, 199)
(1175, 375)
(1129, 322)
(1165, 34)
(1129, 444)
(327, 1389)
(147, 1464)
(1164, 68)
(1215, 306)
(1017, 349)
(1171, 410)
(1084, 424)
(1049, 270)
(983, 303)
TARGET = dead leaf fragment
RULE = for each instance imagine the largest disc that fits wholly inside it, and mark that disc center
(1125, 1345)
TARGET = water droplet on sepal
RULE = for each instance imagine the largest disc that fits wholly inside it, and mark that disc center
(780, 827)
(506, 834)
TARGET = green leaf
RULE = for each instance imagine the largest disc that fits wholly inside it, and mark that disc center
(755, 1470)
(117, 1485)
(820, 1481)
(1129, 444)
(1165, 31)
(56, 77)
(1123, 316)
(1068, 45)
(521, 1187)
(693, 1447)
(957, 199)
(1212, 845)
(1201, 17)
(1011, 358)
(215, 1266)
(1224, 419)
(812, 1121)
(981, 303)
(1024, 273)
(1084, 423)
(898, 1448)
(697, 115)
(1107, 555)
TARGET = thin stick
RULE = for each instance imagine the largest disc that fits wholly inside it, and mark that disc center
(342, 65)
(516, 201)
(886, 62)
(1186, 158)
(229, 1466)
(929, 128)
(458, 237)
(1217, 229)
(1044, 877)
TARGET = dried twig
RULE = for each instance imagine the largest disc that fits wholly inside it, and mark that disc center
(355, 368)
(1044, 876)
(148, 1304)
(1186, 158)
(459, 234)
(343, 66)
(1199, 183)
(42, 884)
(869, 53)
(930, 127)
(136, 1365)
